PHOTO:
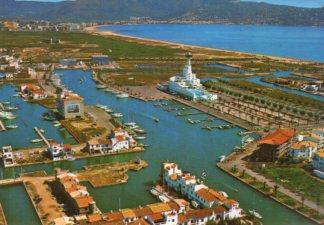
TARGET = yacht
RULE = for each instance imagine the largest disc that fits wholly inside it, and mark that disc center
(139, 131)
(255, 214)
(36, 140)
(163, 198)
(7, 115)
(122, 95)
(101, 86)
(139, 137)
(117, 115)
(154, 192)
(11, 108)
(190, 121)
(221, 158)
(130, 124)
(12, 127)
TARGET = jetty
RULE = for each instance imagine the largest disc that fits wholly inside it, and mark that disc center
(41, 135)
(2, 126)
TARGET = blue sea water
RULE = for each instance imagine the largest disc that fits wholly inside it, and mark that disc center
(295, 42)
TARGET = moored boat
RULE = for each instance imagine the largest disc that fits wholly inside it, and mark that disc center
(139, 137)
(122, 95)
(117, 115)
(36, 140)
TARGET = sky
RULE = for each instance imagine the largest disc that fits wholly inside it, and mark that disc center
(299, 3)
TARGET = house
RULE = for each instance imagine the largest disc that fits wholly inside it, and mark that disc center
(9, 76)
(59, 151)
(274, 145)
(303, 150)
(197, 192)
(100, 59)
(68, 62)
(7, 156)
(75, 194)
(98, 146)
(28, 72)
(70, 105)
(318, 163)
(33, 91)
(121, 140)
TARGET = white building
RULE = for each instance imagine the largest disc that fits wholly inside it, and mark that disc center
(187, 85)
(121, 140)
(7, 156)
(59, 151)
(303, 150)
(318, 163)
(197, 192)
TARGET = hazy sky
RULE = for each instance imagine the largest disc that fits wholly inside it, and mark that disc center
(300, 3)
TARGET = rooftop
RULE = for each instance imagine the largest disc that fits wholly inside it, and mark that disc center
(279, 137)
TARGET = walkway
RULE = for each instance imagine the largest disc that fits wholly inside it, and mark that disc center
(240, 165)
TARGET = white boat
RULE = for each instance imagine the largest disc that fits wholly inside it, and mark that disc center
(221, 158)
(190, 121)
(15, 95)
(255, 214)
(139, 137)
(140, 131)
(130, 124)
(36, 140)
(57, 125)
(154, 192)
(224, 194)
(12, 127)
(11, 108)
(122, 95)
(117, 115)
(7, 115)
(108, 110)
(164, 199)
(100, 106)
(70, 158)
(101, 86)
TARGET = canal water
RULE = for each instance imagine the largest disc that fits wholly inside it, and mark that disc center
(17, 206)
(28, 117)
(173, 139)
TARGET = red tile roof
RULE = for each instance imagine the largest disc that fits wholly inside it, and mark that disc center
(83, 201)
(206, 195)
(278, 137)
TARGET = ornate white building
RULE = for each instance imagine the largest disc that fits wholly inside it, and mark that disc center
(187, 85)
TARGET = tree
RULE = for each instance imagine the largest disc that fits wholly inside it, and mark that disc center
(276, 187)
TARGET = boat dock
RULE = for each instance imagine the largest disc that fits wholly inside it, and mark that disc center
(2, 126)
(2, 216)
(41, 135)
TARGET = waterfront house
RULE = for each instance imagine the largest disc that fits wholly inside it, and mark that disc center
(7, 156)
(303, 150)
(59, 151)
(121, 140)
(274, 145)
(188, 86)
(70, 105)
(197, 192)
(98, 146)
(100, 60)
(9, 76)
(33, 91)
(75, 194)
(318, 163)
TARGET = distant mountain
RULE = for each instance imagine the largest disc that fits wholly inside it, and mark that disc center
(233, 11)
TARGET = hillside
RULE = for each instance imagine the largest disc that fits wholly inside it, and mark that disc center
(103, 10)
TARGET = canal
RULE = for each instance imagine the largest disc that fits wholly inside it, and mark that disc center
(173, 139)
(28, 117)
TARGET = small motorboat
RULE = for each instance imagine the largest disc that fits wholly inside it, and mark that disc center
(70, 158)
(139, 137)
(57, 125)
(11, 108)
(255, 214)
(101, 86)
(156, 119)
(190, 121)
(140, 131)
(130, 124)
(12, 127)
(154, 192)
(36, 140)
(221, 158)
(117, 115)
(122, 95)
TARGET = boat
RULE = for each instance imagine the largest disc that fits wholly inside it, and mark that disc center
(101, 86)
(139, 137)
(194, 204)
(130, 124)
(140, 131)
(41, 130)
(156, 119)
(36, 140)
(221, 158)
(16, 95)
(255, 214)
(154, 192)
(117, 115)
(7, 115)
(57, 125)
(190, 121)
(49, 116)
(163, 198)
(207, 128)
(12, 127)
(122, 95)
(11, 108)
(70, 158)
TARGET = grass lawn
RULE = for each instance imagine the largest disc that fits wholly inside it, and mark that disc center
(297, 180)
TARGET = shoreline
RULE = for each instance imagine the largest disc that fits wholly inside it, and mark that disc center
(96, 31)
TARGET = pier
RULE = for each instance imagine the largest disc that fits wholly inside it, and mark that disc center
(41, 135)
(2, 126)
